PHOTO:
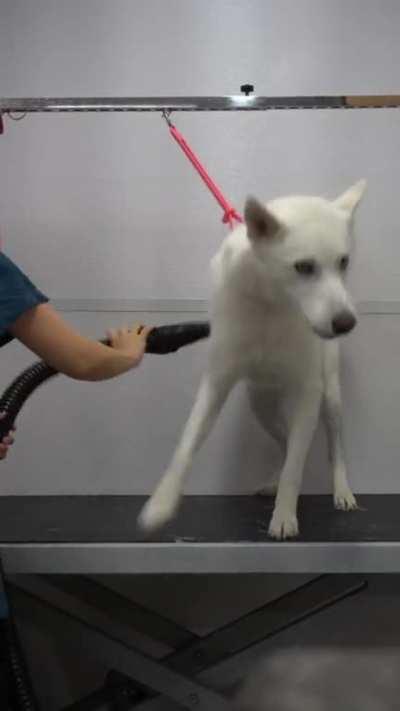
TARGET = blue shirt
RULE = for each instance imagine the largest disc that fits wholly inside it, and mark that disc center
(17, 295)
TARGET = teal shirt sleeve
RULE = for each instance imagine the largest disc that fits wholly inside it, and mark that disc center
(17, 295)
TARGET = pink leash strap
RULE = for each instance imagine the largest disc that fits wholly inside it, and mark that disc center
(230, 214)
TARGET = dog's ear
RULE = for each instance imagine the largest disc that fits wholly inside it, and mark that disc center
(260, 222)
(349, 200)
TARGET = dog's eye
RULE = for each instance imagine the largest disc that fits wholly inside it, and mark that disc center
(306, 268)
(343, 263)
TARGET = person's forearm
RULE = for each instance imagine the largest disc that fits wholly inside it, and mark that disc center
(44, 332)
(96, 362)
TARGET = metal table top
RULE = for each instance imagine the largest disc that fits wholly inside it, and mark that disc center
(211, 534)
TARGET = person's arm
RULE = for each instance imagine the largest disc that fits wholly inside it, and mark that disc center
(45, 332)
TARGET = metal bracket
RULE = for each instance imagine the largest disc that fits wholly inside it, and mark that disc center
(118, 692)
(156, 676)
(79, 599)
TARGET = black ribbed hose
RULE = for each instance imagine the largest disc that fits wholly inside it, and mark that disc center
(161, 340)
(16, 688)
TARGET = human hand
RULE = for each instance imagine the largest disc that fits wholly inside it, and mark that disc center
(130, 341)
(7, 441)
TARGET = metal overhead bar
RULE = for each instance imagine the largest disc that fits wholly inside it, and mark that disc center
(238, 102)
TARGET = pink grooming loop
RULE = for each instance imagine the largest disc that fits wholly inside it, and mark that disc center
(230, 214)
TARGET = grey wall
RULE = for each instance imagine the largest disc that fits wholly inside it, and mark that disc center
(106, 207)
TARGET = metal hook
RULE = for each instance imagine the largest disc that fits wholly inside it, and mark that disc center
(166, 115)
(16, 117)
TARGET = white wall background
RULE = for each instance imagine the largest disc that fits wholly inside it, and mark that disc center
(105, 207)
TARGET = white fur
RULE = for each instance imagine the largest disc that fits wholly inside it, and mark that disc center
(273, 328)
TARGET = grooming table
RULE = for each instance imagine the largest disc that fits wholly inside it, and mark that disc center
(212, 534)
(51, 544)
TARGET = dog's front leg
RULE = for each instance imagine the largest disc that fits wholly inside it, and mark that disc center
(302, 424)
(163, 503)
(343, 496)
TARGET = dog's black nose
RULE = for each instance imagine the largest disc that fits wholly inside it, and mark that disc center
(343, 323)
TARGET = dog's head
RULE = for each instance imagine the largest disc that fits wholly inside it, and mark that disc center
(303, 245)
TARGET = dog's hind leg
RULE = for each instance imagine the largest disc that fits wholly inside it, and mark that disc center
(165, 500)
(301, 428)
(264, 404)
(270, 488)
(332, 411)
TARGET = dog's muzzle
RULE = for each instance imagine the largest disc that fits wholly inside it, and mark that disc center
(343, 323)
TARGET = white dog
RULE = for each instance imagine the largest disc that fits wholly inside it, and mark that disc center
(279, 301)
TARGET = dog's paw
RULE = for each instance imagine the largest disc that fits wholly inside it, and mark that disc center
(154, 514)
(283, 525)
(345, 500)
(159, 509)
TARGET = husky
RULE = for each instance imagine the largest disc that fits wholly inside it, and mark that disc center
(279, 306)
